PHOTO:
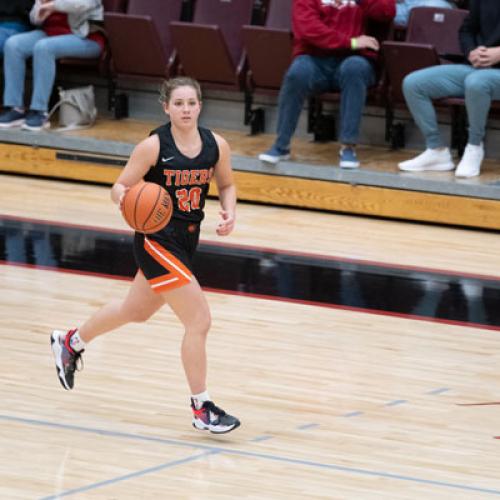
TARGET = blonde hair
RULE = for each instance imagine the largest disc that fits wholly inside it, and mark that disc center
(168, 86)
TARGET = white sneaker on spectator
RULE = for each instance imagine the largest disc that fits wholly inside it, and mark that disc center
(431, 159)
(470, 164)
(274, 155)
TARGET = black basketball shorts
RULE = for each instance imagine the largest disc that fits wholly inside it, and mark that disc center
(165, 257)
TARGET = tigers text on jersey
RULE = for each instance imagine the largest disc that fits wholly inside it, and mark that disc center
(186, 179)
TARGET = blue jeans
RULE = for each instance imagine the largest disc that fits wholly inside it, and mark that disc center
(403, 8)
(45, 50)
(9, 28)
(309, 75)
(478, 86)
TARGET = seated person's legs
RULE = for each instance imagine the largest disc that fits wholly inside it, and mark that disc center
(17, 49)
(354, 76)
(45, 54)
(420, 88)
(9, 28)
(481, 87)
(303, 77)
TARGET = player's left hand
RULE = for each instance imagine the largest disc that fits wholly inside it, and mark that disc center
(226, 225)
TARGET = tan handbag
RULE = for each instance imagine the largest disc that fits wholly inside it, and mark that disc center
(77, 108)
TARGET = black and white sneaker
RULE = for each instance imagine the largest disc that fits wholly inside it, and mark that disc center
(211, 418)
(67, 360)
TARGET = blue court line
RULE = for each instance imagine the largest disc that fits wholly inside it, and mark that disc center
(131, 475)
(261, 438)
(265, 456)
(306, 426)
(439, 391)
(396, 402)
(353, 414)
(104, 432)
(364, 472)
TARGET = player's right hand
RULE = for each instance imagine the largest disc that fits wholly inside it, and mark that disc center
(118, 193)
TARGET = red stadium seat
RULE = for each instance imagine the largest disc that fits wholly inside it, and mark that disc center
(210, 48)
(140, 42)
(269, 54)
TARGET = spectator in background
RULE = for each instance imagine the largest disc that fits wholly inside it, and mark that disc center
(14, 18)
(478, 82)
(403, 8)
(331, 52)
(68, 28)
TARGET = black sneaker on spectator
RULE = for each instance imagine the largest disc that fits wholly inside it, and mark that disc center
(36, 120)
(12, 117)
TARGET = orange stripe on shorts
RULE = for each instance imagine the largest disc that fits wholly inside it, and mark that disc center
(179, 275)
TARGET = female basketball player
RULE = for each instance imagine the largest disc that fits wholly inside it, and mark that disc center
(182, 157)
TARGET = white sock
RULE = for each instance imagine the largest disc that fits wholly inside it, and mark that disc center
(76, 343)
(199, 399)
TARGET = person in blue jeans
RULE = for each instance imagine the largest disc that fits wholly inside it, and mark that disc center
(14, 18)
(68, 28)
(404, 7)
(331, 52)
(478, 82)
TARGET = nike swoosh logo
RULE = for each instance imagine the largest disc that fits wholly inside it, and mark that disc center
(164, 160)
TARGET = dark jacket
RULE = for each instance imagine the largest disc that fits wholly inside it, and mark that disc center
(15, 10)
(481, 26)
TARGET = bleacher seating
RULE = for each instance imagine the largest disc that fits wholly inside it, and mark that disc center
(269, 54)
(141, 43)
(210, 48)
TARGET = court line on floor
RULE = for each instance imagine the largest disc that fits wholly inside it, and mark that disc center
(247, 454)
(131, 475)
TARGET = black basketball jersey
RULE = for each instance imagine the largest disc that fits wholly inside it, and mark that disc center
(186, 179)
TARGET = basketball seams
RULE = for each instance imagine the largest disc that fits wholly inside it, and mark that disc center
(128, 208)
(137, 198)
(153, 208)
(162, 224)
(142, 204)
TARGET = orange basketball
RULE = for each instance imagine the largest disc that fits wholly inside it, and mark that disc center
(147, 207)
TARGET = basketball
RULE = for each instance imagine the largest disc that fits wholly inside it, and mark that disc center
(147, 207)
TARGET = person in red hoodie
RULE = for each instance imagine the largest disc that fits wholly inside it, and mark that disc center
(331, 52)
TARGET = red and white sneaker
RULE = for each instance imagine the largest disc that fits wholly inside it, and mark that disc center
(67, 360)
(211, 418)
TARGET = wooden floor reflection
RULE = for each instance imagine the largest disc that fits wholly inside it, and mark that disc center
(334, 404)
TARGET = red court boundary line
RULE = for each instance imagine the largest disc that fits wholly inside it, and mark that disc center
(65, 271)
(334, 258)
(493, 403)
(479, 326)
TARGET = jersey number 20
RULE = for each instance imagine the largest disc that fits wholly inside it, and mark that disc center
(188, 199)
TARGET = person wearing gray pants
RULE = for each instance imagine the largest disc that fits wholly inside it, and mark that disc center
(478, 82)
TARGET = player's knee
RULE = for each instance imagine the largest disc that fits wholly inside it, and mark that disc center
(201, 323)
(137, 315)
(205, 324)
